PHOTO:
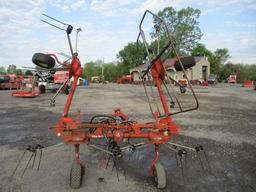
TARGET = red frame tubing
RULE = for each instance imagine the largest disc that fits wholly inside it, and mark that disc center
(56, 58)
(75, 70)
(76, 133)
(158, 73)
(69, 130)
(154, 161)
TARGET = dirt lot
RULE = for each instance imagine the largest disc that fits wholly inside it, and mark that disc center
(225, 125)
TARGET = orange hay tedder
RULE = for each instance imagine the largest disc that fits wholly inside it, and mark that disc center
(117, 127)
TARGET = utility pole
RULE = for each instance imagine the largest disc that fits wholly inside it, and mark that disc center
(102, 70)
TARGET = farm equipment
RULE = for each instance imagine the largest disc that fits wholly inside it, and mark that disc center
(52, 78)
(33, 150)
(10, 81)
(28, 83)
(124, 79)
(111, 129)
(232, 79)
(212, 79)
(53, 82)
(247, 84)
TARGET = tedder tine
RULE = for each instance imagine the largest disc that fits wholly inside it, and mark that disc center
(27, 164)
(40, 157)
(205, 156)
(199, 157)
(33, 162)
(22, 156)
(109, 156)
(116, 167)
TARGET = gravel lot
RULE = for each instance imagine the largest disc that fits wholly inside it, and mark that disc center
(225, 124)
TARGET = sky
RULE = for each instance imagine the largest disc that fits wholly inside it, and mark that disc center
(108, 25)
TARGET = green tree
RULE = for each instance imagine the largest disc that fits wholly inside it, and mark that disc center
(112, 72)
(92, 68)
(11, 69)
(201, 50)
(2, 70)
(220, 59)
(222, 55)
(28, 73)
(247, 73)
(130, 56)
(18, 72)
(183, 26)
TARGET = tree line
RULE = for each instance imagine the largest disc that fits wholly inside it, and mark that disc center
(183, 26)
(185, 32)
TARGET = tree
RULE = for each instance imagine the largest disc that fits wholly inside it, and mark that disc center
(131, 55)
(18, 72)
(183, 26)
(28, 73)
(201, 50)
(246, 73)
(2, 70)
(11, 69)
(222, 55)
(112, 72)
(220, 59)
(92, 68)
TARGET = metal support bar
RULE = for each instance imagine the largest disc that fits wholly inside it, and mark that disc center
(182, 146)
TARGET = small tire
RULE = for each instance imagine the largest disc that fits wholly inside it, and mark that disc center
(182, 89)
(41, 89)
(159, 176)
(76, 175)
(43, 60)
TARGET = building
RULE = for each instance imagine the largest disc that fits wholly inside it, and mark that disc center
(199, 72)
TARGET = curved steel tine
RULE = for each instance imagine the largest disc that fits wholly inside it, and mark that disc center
(176, 158)
(116, 167)
(27, 164)
(182, 170)
(13, 173)
(200, 161)
(55, 19)
(53, 25)
(33, 162)
(40, 157)
(205, 156)
(109, 156)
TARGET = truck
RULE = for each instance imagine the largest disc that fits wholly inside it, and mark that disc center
(212, 79)
(232, 79)
(124, 79)
(52, 81)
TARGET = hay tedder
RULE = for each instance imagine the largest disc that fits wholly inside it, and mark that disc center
(117, 127)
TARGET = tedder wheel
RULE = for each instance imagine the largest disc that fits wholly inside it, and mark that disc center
(159, 176)
(43, 60)
(182, 89)
(76, 175)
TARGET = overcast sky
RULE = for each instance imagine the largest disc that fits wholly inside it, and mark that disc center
(109, 25)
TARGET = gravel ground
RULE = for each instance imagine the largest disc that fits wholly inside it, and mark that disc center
(224, 124)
